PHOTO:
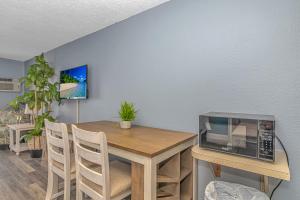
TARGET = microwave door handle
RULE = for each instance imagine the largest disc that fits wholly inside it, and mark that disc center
(202, 132)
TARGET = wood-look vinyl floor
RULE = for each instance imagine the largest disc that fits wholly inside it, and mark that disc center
(22, 177)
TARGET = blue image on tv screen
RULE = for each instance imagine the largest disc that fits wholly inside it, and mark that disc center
(73, 83)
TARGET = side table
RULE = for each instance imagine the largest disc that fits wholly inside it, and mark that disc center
(15, 135)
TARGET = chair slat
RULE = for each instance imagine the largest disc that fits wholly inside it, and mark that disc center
(56, 127)
(57, 171)
(56, 156)
(87, 136)
(89, 155)
(91, 175)
(55, 141)
(91, 145)
(57, 134)
(90, 192)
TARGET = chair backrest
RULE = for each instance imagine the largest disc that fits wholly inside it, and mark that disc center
(91, 147)
(58, 147)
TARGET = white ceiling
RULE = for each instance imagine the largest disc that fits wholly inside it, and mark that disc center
(29, 27)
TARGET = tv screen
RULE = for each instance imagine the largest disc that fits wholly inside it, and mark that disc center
(73, 83)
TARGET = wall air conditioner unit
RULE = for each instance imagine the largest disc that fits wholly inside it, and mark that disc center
(9, 85)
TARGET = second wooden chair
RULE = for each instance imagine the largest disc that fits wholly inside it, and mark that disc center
(102, 180)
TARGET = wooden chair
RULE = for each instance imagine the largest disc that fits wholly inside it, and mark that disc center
(60, 161)
(102, 180)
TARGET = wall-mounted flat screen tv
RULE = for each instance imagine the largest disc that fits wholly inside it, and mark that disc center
(74, 83)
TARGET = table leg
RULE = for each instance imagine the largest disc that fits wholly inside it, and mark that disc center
(137, 177)
(264, 184)
(195, 179)
(11, 139)
(150, 180)
(44, 148)
(217, 170)
(17, 142)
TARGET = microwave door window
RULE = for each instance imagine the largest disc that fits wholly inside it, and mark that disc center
(238, 136)
(244, 137)
(217, 132)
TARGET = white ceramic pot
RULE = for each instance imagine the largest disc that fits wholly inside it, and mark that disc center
(125, 124)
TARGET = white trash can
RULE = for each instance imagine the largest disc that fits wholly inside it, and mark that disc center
(220, 190)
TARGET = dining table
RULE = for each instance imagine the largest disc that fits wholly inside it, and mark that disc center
(145, 148)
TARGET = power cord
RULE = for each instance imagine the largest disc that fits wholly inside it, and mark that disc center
(287, 158)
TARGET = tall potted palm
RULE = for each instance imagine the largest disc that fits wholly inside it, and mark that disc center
(40, 93)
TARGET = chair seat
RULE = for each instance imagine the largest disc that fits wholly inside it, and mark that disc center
(120, 179)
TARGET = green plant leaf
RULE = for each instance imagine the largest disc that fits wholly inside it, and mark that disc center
(127, 111)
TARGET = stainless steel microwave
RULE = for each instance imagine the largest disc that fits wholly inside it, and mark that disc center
(242, 134)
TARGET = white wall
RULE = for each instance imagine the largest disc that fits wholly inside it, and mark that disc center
(9, 69)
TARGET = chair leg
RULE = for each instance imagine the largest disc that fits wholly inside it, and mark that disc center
(52, 187)
(79, 195)
(67, 189)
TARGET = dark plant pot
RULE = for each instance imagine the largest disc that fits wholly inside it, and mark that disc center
(4, 146)
(36, 153)
(22, 140)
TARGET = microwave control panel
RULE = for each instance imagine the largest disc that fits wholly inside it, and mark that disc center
(266, 140)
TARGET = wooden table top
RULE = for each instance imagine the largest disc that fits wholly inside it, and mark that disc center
(141, 140)
(279, 169)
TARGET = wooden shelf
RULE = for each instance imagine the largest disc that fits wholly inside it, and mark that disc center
(185, 197)
(163, 194)
(174, 177)
(279, 169)
(186, 163)
(184, 172)
(186, 188)
(166, 179)
(169, 171)
(168, 191)
(168, 198)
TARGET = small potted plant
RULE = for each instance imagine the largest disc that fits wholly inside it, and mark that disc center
(127, 114)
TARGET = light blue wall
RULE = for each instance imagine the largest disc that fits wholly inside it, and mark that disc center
(188, 57)
(9, 69)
